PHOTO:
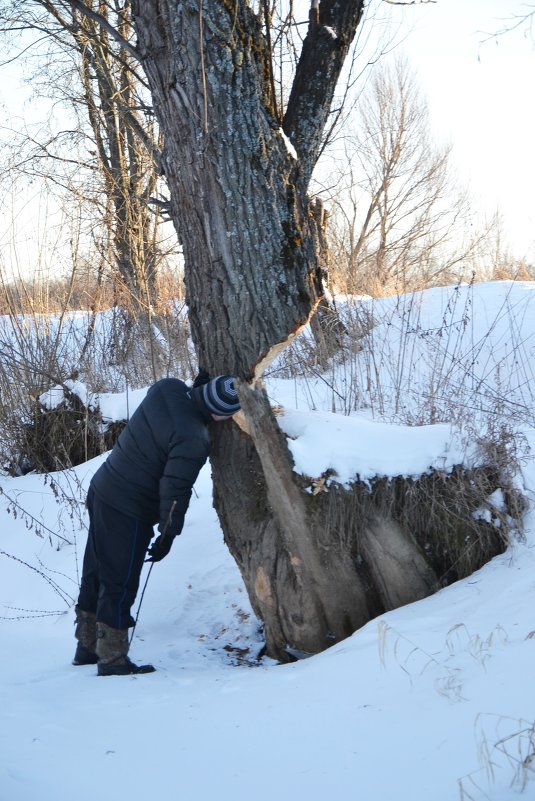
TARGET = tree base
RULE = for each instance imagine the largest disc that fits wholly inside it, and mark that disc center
(319, 566)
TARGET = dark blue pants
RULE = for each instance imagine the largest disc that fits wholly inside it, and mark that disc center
(114, 554)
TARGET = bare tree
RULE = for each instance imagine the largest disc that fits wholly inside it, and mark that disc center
(407, 224)
(110, 159)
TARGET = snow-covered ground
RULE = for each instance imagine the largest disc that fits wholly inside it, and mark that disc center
(432, 701)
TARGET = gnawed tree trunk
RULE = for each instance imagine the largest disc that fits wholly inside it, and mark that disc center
(315, 567)
(320, 564)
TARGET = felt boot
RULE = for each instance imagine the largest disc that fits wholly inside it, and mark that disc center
(86, 634)
(112, 651)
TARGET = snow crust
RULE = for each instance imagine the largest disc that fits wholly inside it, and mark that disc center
(356, 448)
(112, 405)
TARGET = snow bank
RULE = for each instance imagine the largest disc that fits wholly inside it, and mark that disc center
(354, 447)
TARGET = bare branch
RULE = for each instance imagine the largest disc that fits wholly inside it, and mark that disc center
(331, 30)
(513, 23)
(78, 5)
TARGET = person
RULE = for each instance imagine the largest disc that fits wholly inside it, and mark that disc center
(147, 479)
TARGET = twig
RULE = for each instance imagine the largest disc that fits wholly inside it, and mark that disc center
(57, 589)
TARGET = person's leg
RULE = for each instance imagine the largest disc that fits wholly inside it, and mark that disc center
(88, 596)
(86, 629)
(86, 634)
(121, 546)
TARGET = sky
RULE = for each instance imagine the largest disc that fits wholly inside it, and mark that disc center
(432, 701)
(478, 91)
(479, 94)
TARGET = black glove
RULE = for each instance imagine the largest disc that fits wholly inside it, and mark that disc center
(160, 548)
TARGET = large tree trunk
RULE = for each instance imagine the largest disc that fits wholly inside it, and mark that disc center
(249, 242)
(253, 277)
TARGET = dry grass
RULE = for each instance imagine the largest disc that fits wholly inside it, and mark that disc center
(109, 351)
(459, 520)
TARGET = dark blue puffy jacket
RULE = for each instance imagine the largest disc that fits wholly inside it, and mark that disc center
(150, 472)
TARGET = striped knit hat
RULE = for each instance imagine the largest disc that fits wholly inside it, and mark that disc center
(220, 397)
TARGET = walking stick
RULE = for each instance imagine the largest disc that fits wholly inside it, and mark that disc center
(140, 602)
(164, 533)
